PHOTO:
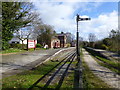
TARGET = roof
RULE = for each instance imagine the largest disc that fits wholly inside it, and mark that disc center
(54, 37)
(61, 34)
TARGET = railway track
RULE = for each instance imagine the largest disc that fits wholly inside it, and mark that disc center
(63, 66)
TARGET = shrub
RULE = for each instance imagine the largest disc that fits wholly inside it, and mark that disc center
(68, 45)
(38, 45)
(5, 45)
(100, 45)
(19, 46)
(104, 47)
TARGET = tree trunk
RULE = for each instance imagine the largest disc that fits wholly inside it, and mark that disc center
(22, 45)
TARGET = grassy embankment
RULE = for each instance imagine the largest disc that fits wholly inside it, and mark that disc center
(15, 50)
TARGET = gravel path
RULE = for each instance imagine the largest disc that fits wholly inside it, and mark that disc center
(103, 73)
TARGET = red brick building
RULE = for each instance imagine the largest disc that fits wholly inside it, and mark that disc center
(62, 37)
(58, 41)
(55, 42)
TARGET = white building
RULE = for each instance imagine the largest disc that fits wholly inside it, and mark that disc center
(17, 40)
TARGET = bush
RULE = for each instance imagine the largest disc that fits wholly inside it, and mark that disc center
(105, 47)
(68, 45)
(100, 45)
(19, 46)
(38, 45)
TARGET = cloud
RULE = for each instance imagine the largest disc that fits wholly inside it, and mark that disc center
(70, 0)
(60, 0)
(62, 15)
(58, 14)
(52, 13)
(102, 25)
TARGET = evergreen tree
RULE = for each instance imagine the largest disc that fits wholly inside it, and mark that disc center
(15, 15)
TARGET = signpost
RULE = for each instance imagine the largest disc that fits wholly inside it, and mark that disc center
(31, 44)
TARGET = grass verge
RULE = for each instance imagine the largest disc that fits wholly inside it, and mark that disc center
(11, 50)
(107, 66)
(27, 78)
(15, 50)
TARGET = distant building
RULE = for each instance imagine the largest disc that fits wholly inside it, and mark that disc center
(58, 41)
(55, 42)
(18, 41)
(62, 37)
(14, 40)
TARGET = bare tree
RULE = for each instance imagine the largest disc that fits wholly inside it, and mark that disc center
(70, 37)
(92, 39)
(22, 35)
(27, 32)
(44, 33)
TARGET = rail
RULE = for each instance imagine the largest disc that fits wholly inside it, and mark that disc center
(66, 61)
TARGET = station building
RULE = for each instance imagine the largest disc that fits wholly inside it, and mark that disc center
(55, 42)
(58, 41)
(62, 37)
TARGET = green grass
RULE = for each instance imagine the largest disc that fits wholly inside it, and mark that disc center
(11, 50)
(15, 50)
(107, 66)
(32, 49)
(115, 64)
(69, 80)
(27, 78)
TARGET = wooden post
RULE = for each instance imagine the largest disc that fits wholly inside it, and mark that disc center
(27, 44)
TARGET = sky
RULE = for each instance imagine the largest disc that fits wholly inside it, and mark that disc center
(62, 16)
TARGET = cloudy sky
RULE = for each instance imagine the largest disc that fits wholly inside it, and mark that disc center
(62, 16)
